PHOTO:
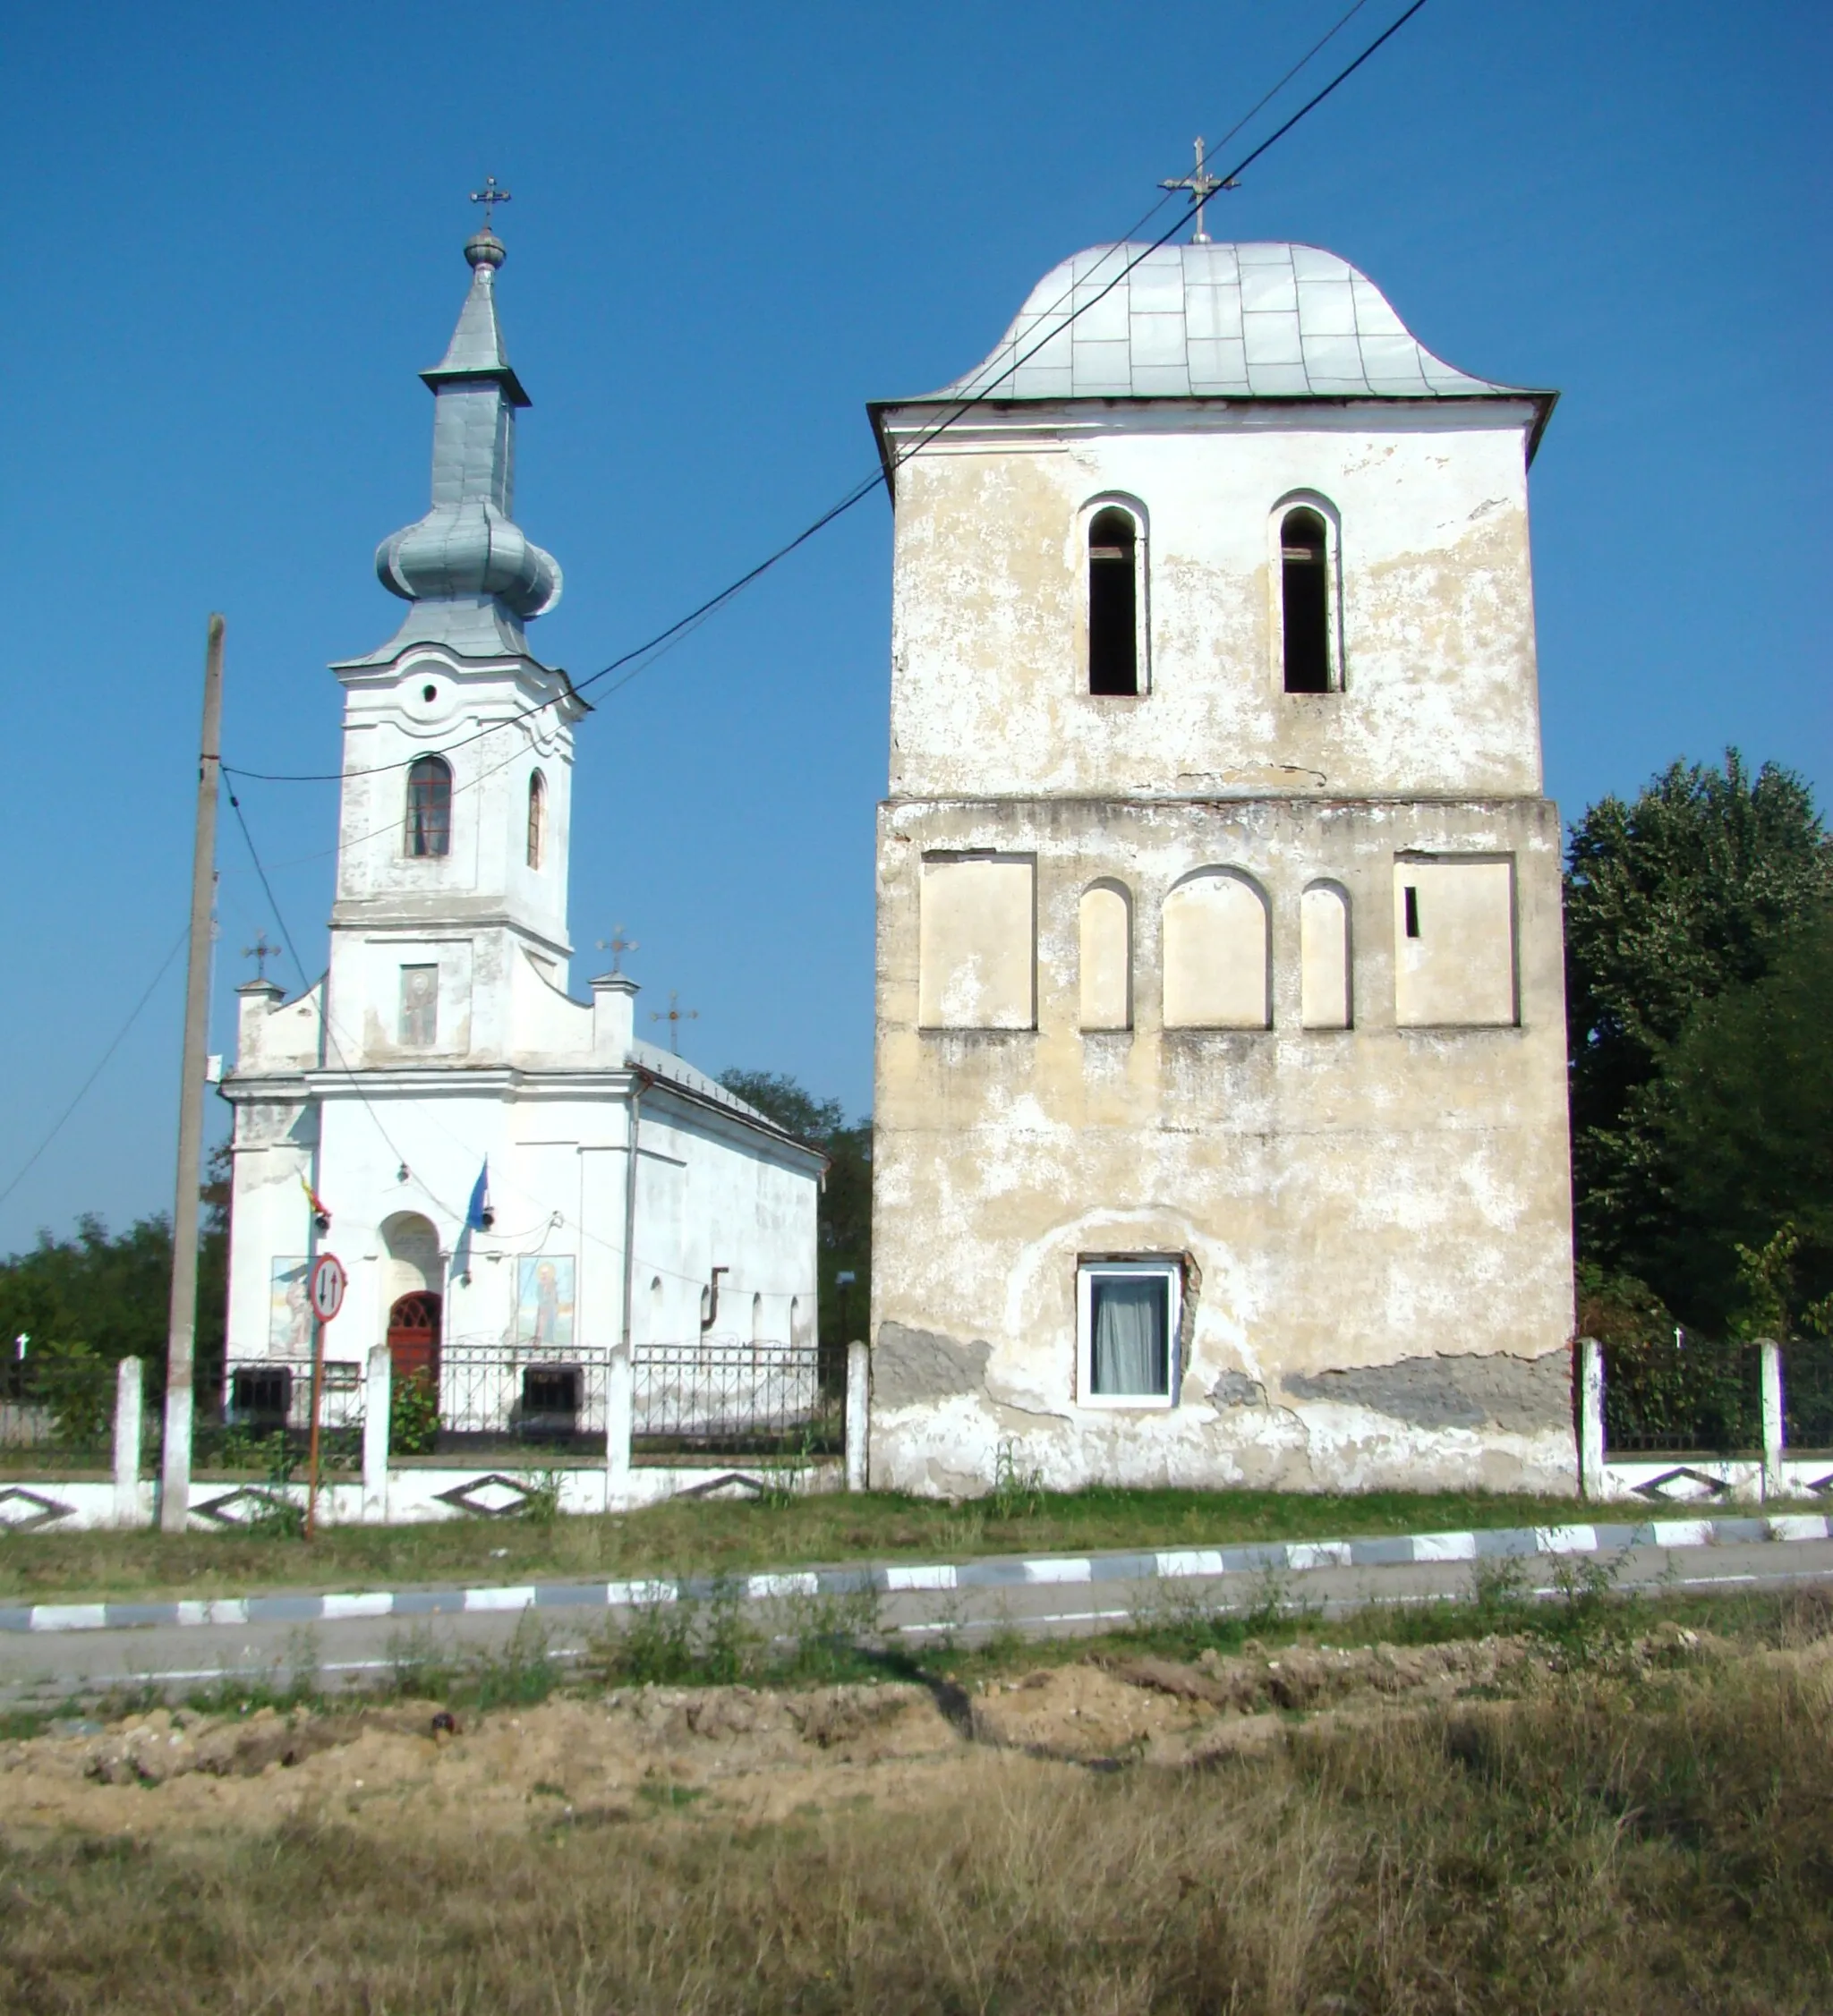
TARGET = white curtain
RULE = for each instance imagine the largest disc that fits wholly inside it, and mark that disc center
(1131, 1351)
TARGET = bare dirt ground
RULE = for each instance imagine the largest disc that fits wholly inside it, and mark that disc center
(750, 1755)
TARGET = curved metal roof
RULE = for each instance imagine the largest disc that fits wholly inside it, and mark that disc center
(1223, 321)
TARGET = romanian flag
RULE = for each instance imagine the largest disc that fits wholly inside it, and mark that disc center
(313, 1199)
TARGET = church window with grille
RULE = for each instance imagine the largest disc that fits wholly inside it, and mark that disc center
(1304, 555)
(1113, 602)
(537, 817)
(429, 806)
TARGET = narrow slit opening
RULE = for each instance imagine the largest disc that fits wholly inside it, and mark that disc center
(1305, 581)
(1114, 648)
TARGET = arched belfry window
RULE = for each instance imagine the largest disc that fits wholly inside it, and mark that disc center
(1113, 602)
(537, 817)
(429, 806)
(1304, 559)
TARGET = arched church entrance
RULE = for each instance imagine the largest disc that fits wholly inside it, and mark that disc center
(414, 1340)
(413, 1276)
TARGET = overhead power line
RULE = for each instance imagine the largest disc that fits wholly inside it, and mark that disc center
(636, 659)
(101, 1065)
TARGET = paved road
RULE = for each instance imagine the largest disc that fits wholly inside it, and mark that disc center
(38, 1668)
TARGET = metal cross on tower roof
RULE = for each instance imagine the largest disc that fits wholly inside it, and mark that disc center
(675, 1015)
(1202, 185)
(616, 945)
(260, 952)
(489, 193)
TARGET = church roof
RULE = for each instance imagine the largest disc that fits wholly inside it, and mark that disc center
(1247, 321)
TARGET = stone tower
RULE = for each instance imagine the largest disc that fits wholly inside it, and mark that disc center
(1220, 1074)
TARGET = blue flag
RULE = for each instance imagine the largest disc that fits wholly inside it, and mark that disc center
(477, 1213)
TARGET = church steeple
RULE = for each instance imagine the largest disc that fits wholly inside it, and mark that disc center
(471, 576)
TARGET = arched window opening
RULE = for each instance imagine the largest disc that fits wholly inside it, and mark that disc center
(1113, 603)
(1304, 556)
(537, 817)
(429, 806)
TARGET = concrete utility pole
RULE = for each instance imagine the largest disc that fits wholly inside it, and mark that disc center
(175, 1483)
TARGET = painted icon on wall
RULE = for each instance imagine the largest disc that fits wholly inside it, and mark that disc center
(289, 1310)
(420, 1006)
(544, 1300)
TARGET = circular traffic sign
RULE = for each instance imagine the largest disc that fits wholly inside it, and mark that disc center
(327, 1283)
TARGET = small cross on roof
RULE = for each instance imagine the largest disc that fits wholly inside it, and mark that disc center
(490, 194)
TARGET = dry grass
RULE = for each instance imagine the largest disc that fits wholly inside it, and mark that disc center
(1665, 1849)
(700, 1537)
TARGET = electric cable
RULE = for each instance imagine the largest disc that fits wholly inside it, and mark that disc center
(120, 1037)
(867, 485)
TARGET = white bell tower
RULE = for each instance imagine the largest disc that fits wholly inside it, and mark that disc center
(457, 750)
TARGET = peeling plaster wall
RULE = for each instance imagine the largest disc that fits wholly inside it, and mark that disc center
(1375, 1212)
(1436, 616)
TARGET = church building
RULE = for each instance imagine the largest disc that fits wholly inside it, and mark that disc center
(1220, 1114)
(518, 1186)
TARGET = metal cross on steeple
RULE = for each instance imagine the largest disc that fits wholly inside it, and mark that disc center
(616, 945)
(675, 1015)
(260, 952)
(489, 193)
(1202, 185)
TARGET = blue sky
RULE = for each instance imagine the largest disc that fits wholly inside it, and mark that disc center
(234, 237)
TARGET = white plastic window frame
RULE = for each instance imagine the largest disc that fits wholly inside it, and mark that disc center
(1317, 502)
(1165, 1266)
(1118, 500)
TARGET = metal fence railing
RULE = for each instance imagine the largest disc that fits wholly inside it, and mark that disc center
(501, 1403)
(57, 1411)
(722, 1398)
(1683, 1395)
(1807, 1395)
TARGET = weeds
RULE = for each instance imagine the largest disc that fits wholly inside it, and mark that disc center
(1018, 1491)
(1562, 1856)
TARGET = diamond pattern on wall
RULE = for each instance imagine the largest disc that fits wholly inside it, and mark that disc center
(728, 1483)
(491, 1497)
(1683, 1486)
(244, 1507)
(25, 1512)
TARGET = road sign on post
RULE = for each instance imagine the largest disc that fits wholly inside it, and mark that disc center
(327, 1283)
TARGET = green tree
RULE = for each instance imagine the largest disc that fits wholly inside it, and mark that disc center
(112, 1292)
(1739, 1134)
(1688, 893)
(844, 1218)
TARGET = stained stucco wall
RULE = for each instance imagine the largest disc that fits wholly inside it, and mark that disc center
(1429, 533)
(1373, 1219)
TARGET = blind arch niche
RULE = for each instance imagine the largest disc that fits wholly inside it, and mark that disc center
(1216, 964)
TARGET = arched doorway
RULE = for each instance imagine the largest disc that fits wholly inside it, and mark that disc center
(413, 1341)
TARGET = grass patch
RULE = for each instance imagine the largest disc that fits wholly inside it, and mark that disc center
(1573, 1854)
(720, 1538)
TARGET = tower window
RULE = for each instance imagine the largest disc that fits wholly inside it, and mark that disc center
(537, 816)
(1411, 898)
(1113, 603)
(1305, 577)
(429, 806)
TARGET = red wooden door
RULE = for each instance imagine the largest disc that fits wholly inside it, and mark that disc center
(414, 1340)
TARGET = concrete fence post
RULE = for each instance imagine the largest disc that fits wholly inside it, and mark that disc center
(1590, 1418)
(377, 1406)
(858, 1412)
(620, 1415)
(129, 1414)
(1774, 1432)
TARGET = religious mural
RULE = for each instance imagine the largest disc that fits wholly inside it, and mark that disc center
(544, 1300)
(289, 1310)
